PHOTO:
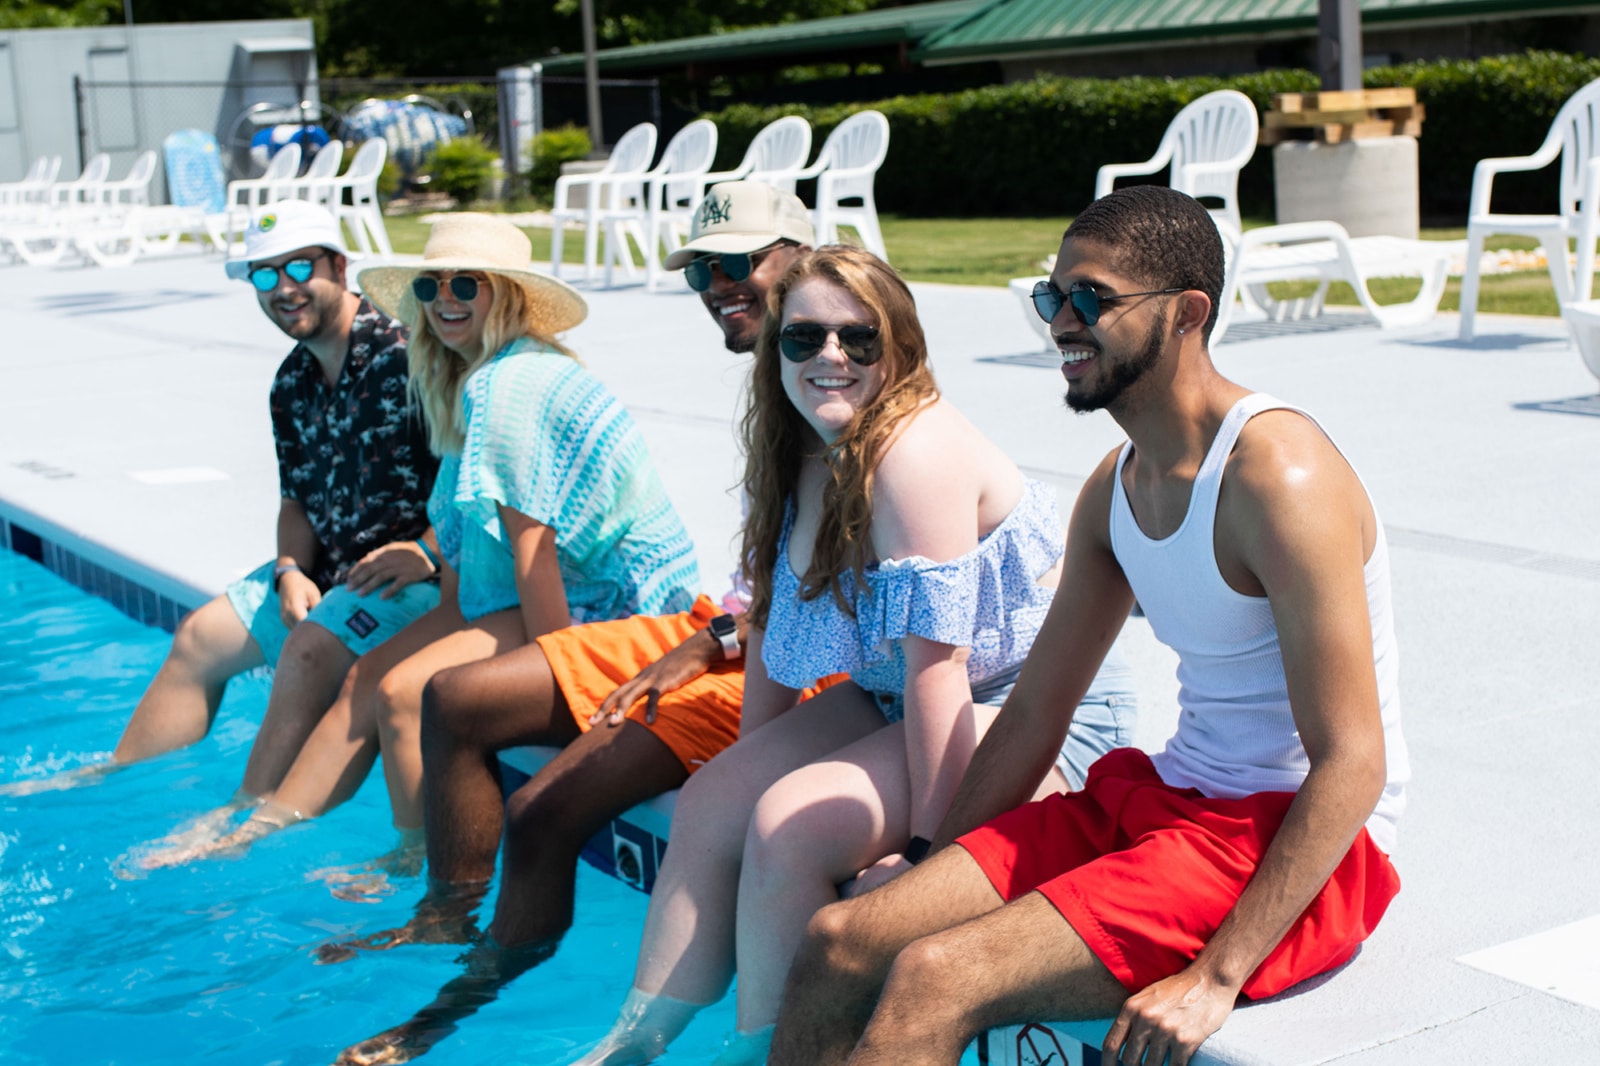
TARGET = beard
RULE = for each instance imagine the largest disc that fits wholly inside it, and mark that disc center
(1123, 374)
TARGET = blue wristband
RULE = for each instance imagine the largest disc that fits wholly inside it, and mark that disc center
(432, 558)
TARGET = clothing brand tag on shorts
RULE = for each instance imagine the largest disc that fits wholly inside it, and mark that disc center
(362, 623)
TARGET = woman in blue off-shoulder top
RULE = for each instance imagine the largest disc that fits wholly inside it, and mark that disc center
(887, 539)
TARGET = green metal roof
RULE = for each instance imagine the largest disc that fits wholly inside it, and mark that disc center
(1015, 27)
(889, 26)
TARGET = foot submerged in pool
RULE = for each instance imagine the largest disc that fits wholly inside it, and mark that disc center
(446, 915)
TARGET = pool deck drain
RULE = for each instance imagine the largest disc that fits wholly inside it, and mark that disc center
(135, 453)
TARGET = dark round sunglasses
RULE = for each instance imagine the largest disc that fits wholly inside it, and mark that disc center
(800, 341)
(735, 266)
(1084, 300)
(463, 287)
(299, 271)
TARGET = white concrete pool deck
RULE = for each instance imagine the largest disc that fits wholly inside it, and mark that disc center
(133, 430)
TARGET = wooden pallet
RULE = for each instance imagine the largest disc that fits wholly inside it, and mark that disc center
(1335, 117)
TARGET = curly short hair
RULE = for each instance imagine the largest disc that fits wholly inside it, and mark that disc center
(1160, 238)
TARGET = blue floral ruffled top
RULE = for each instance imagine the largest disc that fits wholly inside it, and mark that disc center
(987, 600)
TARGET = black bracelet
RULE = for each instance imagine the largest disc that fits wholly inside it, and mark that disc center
(917, 850)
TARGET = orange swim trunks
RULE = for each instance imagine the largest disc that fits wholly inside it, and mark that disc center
(696, 721)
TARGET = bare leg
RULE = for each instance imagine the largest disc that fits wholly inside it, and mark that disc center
(687, 956)
(210, 647)
(398, 704)
(340, 751)
(593, 780)
(310, 672)
(1019, 963)
(469, 713)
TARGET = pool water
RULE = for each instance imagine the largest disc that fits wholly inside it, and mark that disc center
(213, 961)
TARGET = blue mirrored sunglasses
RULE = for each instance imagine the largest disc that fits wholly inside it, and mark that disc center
(299, 271)
(463, 287)
(1082, 297)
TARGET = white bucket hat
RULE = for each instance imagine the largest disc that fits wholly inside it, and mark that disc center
(742, 216)
(286, 226)
(477, 242)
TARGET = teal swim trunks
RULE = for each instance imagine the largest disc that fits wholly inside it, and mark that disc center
(360, 622)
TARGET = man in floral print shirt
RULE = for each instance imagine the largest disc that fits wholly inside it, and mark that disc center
(354, 469)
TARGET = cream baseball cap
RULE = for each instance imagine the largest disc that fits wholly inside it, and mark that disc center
(742, 216)
(286, 226)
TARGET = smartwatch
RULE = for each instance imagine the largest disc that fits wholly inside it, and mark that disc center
(726, 631)
(281, 569)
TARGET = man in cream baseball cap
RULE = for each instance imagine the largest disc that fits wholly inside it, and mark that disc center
(728, 259)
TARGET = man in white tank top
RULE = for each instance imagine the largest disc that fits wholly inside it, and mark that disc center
(1253, 851)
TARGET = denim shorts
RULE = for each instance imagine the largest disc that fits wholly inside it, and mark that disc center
(360, 622)
(1102, 722)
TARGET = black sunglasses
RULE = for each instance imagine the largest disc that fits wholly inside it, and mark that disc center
(800, 341)
(299, 271)
(463, 287)
(735, 266)
(1086, 303)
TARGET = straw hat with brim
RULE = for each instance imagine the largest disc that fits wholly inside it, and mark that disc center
(466, 242)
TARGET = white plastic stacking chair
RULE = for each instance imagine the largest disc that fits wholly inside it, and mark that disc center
(845, 169)
(673, 189)
(1206, 145)
(618, 181)
(247, 194)
(364, 213)
(316, 184)
(1572, 137)
(776, 155)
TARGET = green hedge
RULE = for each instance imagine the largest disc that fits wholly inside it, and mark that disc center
(1032, 148)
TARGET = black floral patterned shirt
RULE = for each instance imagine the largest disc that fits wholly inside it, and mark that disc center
(353, 454)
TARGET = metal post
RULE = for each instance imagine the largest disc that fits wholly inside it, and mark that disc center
(83, 125)
(591, 78)
(1339, 44)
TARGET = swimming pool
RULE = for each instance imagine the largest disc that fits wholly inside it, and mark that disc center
(214, 960)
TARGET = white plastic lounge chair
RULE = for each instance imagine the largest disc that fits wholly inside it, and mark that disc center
(85, 188)
(1206, 145)
(845, 169)
(776, 156)
(26, 195)
(1323, 252)
(1572, 137)
(364, 213)
(673, 188)
(134, 188)
(617, 182)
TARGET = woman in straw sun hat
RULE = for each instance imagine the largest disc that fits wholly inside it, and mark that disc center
(547, 507)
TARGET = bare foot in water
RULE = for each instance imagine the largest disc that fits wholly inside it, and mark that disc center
(445, 916)
(59, 782)
(368, 882)
(195, 839)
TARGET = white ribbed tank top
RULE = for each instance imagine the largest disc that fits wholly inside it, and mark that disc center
(1236, 735)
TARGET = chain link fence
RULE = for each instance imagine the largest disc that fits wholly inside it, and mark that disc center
(123, 119)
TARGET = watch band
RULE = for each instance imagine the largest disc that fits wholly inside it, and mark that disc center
(726, 632)
(284, 568)
(917, 850)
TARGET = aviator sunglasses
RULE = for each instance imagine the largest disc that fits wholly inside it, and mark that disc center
(1085, 302)
(735, 266)
(799, 341)
(265, 278)
(463, 287)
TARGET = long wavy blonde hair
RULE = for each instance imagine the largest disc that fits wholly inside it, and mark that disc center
(439, 374)
(777, 438)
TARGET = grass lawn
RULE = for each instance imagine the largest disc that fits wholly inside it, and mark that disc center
(991, 251)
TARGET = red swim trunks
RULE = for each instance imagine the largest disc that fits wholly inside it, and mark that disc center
(696, 721)
(1145, 873)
